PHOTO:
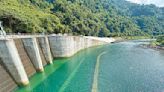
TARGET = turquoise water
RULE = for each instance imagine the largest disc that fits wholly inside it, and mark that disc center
(125, 67)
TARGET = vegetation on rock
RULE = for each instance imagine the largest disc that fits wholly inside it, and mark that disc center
(160, 40)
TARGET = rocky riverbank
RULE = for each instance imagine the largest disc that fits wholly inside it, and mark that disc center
(157, 47)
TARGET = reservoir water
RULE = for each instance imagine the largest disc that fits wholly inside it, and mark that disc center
(123, 67)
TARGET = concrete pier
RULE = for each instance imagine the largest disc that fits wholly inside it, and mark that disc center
(44, 44)
(32, 49)
(12, 61)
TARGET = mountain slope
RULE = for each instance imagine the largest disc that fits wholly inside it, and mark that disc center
(82, 17)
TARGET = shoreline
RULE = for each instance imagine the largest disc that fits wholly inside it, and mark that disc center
(152, 47)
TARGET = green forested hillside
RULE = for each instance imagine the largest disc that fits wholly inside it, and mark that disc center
(82, 17)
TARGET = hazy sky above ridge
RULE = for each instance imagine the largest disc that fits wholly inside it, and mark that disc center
(159, 3)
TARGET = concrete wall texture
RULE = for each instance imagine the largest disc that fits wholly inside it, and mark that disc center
(9, 84)
(66, 46)
(21, 57)
(28, 66)
(45, 48)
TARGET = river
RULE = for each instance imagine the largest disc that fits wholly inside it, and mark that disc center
(122, 67)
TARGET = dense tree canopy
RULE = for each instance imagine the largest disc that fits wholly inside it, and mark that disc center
(82, 17)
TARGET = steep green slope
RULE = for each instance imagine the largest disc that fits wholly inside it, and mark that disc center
(82, 17)
(22, 16)
(91, 18)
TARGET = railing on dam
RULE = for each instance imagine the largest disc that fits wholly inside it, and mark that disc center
(20, 35)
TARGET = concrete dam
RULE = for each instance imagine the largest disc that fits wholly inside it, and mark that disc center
(23, 56)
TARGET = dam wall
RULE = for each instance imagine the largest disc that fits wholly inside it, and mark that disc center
(66, 46)
(45, 48)
(33, 52)
(23, 56)
(9, 84)
(26, 61)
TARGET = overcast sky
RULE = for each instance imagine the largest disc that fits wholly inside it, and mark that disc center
(159, 3)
